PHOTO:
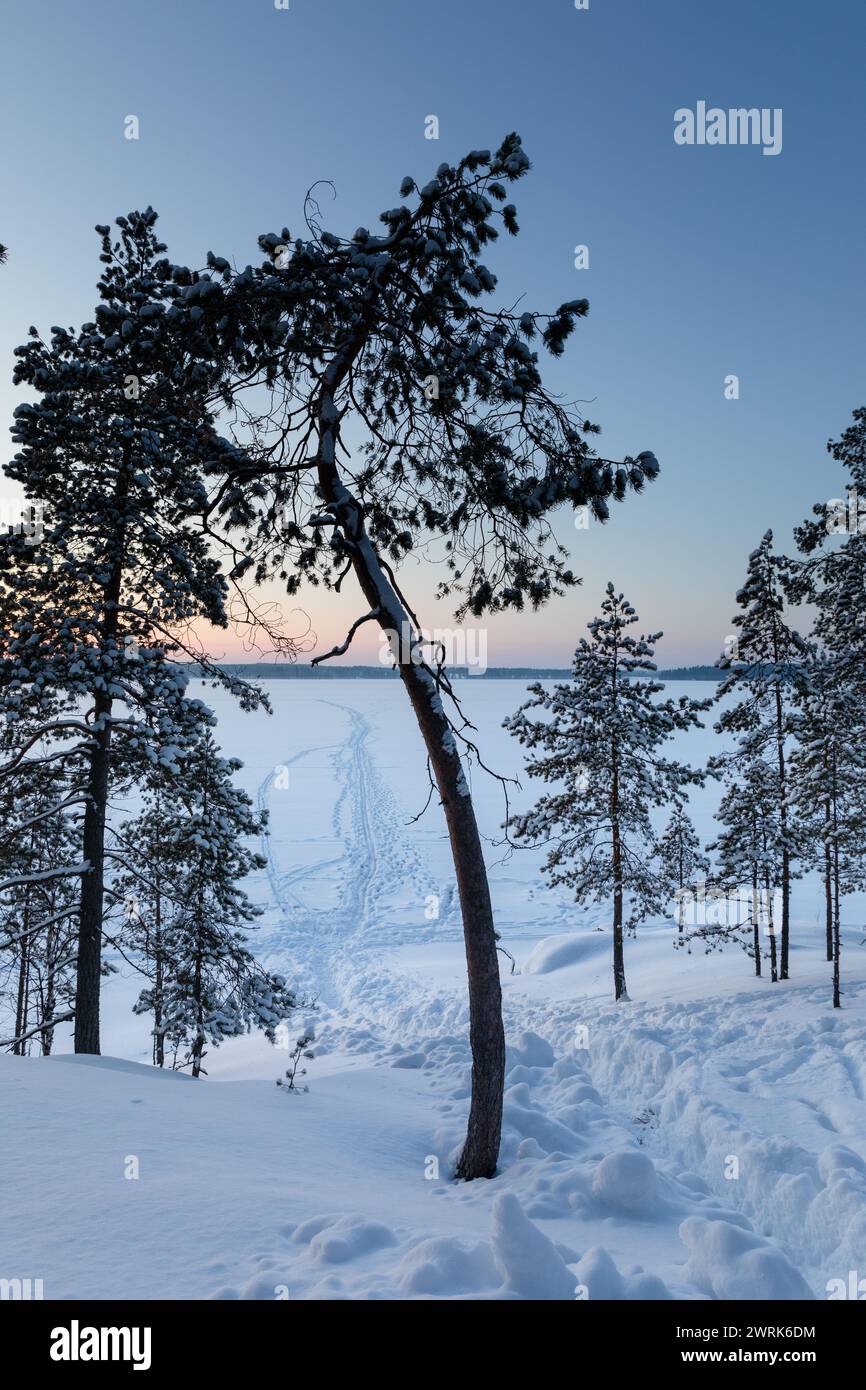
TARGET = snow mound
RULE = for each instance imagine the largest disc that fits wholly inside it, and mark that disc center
(348, 1238)
(599, 1278)
(530, 1051)
(410, 1061)
(444, 1265)
(531, 1265)
(626, 1182)
(336, 1240)
(726, 1261)
(556, 952)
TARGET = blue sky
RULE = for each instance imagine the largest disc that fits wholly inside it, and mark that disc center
(704, 261)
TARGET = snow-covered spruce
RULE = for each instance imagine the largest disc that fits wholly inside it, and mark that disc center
(599, 744)
(179, 866)
(830, 766)
(828, 781)
(749, 851)
(765, 669)
(681, 860)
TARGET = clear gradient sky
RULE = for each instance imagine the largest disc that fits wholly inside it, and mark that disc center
(704, 261)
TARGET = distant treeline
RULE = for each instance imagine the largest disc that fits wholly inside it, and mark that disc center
(259, 671)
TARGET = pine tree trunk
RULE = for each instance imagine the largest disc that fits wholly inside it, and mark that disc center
(198, 1045)
(480, 1153)
(756, 923)
(828, 890)
(620, 991)
(837, 892)
(89, 974)
(774, 968)
(783, 817)
(21, 1004)
(158, 1033)
(52, 956)
(837, 933)
(486, 1033)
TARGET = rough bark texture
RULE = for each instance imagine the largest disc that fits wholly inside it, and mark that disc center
(89, 971)
(486, 1034)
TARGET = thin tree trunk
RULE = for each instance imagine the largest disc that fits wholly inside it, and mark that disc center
(480, 1153)
(89, 973)
(837, 933)
(828, 888)
(52, 956)
(837, 892)
(774, 969)
(620, 991)
(783, 818)
(158, 1033)
(21, 1005)
(756, 921)
(198, 1046)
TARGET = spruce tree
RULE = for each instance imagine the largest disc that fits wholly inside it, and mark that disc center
(180, 866)
(680, 857)
(599, 742)
(827, 775)
(766, 671)
(831, 576)
(749, 852)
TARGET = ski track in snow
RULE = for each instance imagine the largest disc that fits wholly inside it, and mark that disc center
(686, 1086)
(325, 939)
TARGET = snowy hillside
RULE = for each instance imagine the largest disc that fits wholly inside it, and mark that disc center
(707, 1139)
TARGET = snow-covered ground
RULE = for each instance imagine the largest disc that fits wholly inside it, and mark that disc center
(706, 1139)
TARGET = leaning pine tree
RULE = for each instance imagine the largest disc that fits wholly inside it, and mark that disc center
(406, 419)
(598, 742)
